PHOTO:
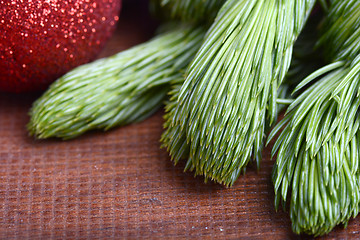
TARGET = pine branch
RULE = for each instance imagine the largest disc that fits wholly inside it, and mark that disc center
(193, 11)
(317, 150)
(115, 91)
(231, 87)
(304, 61)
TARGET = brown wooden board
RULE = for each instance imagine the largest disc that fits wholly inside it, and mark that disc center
(120, 184)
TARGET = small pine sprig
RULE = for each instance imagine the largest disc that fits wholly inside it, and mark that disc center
(317, 150)
(115, 91)
(317, 155)
(231, 87)
(303, 54)
(193, 11)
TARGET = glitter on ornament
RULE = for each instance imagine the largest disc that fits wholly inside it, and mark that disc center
(40, 40)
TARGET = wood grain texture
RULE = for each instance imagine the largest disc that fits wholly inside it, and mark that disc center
(120, 184)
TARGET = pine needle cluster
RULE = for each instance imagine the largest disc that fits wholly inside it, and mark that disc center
(118, 90)
(318, 148)
(230, 91)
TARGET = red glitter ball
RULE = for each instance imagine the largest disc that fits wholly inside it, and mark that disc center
(40, 40)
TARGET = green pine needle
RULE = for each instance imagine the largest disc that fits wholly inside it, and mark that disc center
(115, 91)
(317, 150)
(231, 87)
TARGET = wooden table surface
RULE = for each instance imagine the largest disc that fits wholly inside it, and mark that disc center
(121, 184)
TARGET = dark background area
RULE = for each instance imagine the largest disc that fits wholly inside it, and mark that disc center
(120, 184)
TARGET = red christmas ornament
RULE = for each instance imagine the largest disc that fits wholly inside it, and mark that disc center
(40, 40)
